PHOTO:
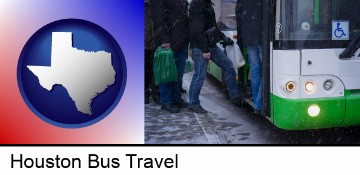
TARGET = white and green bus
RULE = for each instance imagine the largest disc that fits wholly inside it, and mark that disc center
(311, 63)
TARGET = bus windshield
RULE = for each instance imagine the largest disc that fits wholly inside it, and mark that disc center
(304, 20)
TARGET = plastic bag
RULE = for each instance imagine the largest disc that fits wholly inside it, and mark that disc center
(164, 66)
(235, 55)
(188, 67)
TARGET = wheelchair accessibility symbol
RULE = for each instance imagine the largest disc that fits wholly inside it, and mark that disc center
(340, 30)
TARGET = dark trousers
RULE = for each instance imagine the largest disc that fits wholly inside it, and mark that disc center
(150, 87)
(169, 92)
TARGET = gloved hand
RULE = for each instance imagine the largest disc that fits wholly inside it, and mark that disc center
(227, 41)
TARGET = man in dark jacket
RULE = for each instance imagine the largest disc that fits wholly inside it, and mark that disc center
(149, 54)
(249, 23)
(171, 30)
(202, 18)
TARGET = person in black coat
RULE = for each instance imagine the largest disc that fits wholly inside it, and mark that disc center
(249, 28)
(171, 30)
(203, 38)
(150, 88)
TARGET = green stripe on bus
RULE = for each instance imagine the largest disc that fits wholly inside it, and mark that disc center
(292, 114)
(352, 114)
(317, 12)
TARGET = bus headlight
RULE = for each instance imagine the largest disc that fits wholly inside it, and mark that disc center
(310, 86)
(314, 110)
(328, 85)
(290, 86)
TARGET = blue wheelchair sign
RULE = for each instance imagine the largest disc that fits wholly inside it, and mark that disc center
(340, 30)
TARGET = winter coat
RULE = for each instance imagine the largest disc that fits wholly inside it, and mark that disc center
(249, 15)
(171, 23)
(149, 30)
(202, 18)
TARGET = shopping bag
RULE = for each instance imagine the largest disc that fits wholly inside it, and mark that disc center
(164, 66)
(235, 55)
(188, 67)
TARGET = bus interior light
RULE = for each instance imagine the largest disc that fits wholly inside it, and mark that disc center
(328, 85)
(290, 86)
(314, 110)
(310, 86)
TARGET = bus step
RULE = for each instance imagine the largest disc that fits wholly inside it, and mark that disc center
(267, 117)
(248, 101)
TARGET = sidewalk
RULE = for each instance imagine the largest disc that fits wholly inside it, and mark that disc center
(223, 124)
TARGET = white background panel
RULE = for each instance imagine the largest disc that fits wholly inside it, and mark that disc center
(200, 160)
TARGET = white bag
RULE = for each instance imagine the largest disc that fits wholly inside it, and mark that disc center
(235, 55)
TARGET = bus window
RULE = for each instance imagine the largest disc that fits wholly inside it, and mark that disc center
(225, 14)
(312, 19)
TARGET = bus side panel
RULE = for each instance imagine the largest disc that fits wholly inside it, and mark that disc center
(352, 116)
(215, 71)
(292, 114)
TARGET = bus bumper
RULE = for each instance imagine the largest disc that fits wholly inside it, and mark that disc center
(293, 114)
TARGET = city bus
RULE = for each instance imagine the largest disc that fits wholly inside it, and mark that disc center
(311, 63)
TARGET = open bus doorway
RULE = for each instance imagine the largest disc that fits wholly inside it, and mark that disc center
(226, 22)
